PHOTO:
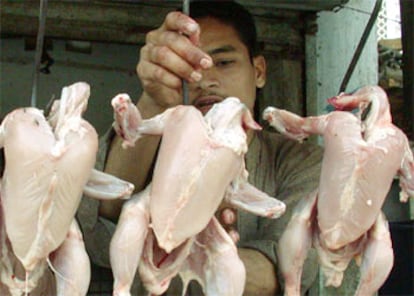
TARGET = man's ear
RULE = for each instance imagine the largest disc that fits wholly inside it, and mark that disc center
(259, 63)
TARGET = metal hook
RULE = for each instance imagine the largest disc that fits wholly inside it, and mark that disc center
(186, 100)
(39, 50)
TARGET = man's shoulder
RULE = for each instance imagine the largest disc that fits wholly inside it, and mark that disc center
(285, 154)
(278, 142)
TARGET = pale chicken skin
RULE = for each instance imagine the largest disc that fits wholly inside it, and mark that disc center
(49, 164)
(69, 257)
(343, 219)
(200, 164)
(44, 175)
(214, 262)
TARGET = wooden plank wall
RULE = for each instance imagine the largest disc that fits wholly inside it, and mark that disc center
(281, 32)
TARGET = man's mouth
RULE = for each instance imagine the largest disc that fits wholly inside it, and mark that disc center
(206, 102)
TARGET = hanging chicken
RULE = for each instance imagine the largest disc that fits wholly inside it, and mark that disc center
(200, 164)
(48, 166)
(343, 219)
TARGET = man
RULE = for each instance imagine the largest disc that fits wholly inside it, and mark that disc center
(216, 52)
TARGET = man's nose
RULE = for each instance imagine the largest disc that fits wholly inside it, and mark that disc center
(209, 80)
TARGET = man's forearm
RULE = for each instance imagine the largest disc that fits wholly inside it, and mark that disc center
(132, 164)
(260, 273)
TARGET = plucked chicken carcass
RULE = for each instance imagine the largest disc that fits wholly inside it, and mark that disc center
(48, 165)
(209, 257)
(200, 164)
(12, 273)
(343, 219)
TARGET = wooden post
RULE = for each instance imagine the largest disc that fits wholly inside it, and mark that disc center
(407, 32)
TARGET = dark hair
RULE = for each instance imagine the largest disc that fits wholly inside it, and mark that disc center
(230, 13)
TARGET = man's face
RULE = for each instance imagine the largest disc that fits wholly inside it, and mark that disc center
(232, 73)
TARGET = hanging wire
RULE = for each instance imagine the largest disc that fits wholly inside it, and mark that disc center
(186, 100)
(361, 45)
(39, 50)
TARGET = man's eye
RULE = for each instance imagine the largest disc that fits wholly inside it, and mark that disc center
(223, 63)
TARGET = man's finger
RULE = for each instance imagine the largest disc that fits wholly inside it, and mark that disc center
(228, 216)
(178, 21)
(153, 74)
(234, 235)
